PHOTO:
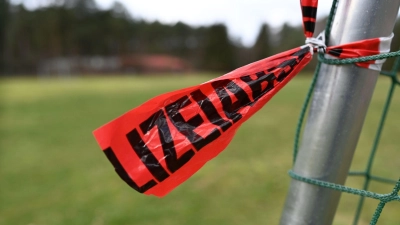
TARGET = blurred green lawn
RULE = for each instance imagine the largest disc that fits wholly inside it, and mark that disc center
(52, 171)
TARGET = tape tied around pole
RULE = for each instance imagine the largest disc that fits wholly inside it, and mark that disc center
(363, 48)
(317, 44)
(161, 143)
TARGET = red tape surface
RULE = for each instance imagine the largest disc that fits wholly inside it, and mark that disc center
(160, 144)
(309, 12)
(363, 48)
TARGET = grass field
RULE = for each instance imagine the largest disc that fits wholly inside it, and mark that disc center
(52, 171)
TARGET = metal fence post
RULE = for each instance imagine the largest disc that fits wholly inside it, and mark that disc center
(336, 116)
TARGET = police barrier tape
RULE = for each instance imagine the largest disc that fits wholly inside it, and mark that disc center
(160, 144)
(309, 12)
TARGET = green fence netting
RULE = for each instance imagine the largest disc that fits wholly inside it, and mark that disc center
(367, 173)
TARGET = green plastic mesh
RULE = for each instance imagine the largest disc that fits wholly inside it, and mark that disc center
(368, 177)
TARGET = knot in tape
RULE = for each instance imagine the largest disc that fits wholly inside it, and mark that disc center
(317, 44)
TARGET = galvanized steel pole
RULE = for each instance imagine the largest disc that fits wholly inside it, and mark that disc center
(336, 116)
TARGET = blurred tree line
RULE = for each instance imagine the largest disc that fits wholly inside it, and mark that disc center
(68, 28)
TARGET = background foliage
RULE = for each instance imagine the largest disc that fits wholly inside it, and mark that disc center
(71, 28)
